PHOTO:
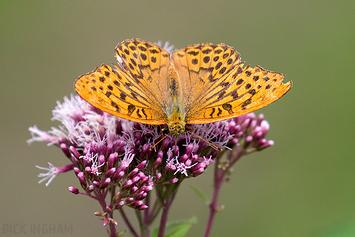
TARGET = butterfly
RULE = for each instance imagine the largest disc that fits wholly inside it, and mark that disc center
(198, 84)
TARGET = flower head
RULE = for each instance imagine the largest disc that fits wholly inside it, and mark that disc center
(106, 151)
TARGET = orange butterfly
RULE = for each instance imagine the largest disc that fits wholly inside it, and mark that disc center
(198, 84)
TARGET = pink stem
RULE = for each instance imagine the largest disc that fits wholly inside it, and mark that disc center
(164, 215)
(128, 223)
(219, 178)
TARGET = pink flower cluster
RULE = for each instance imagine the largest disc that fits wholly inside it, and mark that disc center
(108, 153)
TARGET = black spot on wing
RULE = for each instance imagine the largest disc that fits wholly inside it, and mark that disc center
(131, 109)
(116, 106)
(246, 102)
(227, 107)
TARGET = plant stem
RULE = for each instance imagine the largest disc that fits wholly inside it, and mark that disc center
(112, 229)
(219, 177)
(125, 219)
(166, 204)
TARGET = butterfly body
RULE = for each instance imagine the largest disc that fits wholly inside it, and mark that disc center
(198, 84)
(174, 114)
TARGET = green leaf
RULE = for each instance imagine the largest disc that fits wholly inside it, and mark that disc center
(180, 228)
(201, 194)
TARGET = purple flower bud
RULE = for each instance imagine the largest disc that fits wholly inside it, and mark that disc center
(265, 126)
(141, 195)
(194, 158)
(174, 180)
(133, 173)
(249, 139)
(144, 178)
(118, 175)
(143, 207)
(233, 128)
(198, 172)
(189, 149)
(110, 172)
(65, 149)
(239, 134)
(127, 184)
(87, 170)
(120, 204)
(260, 119)
(135, 180)
(145, 150)
(114, 221)
(183, 158)
(253, 124)
(137, 203)
(175, 151)
(160, 154)
(108, 209)
(141, 175)
(165, 143)
(102, 159)
(141, 165)
(112, 159)
(134, 189)
(157, 163)
(126, 161)
(150, 182)
(62, 140)
(245, 124)
(129, 200)
(106, 222)
(188, 162)
(234, 142)
(98, 213)
(105, 183)
(256, 130)
(159, 175)
(266, 144)
(73, 190)
(199, 165)
(81, 178)
(96, 183)
(76, 170)
(147, 188)
(259, 135)
(90, 188)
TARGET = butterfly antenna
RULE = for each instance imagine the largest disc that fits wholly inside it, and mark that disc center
(159, 141)
(212, 145)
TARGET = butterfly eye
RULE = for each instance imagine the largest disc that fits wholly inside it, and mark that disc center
(171, 129)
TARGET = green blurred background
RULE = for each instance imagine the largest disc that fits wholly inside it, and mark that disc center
(302, 186)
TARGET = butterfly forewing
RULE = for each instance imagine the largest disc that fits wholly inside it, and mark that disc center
(148, 64)
(129, 90)
(197, 67)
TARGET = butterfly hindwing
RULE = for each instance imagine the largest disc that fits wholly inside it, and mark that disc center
(251, 89)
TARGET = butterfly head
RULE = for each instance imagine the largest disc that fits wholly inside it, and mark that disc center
(176, 121)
